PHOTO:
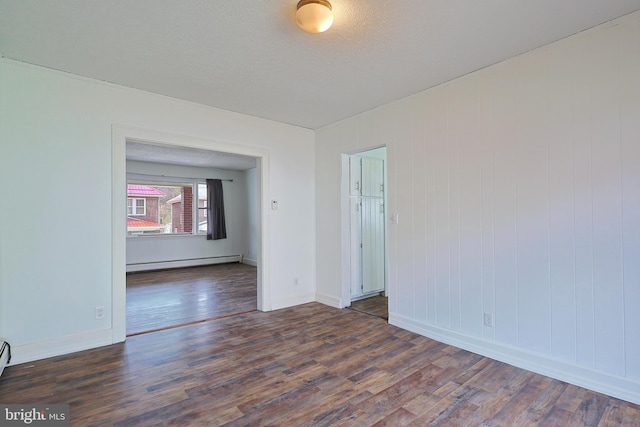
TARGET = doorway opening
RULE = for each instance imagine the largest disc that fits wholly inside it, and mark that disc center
(364, 233)
(121, 136)
(167, 299)
(175, 275)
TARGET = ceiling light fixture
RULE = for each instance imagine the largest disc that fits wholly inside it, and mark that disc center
(314, 16)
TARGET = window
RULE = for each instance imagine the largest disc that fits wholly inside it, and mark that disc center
(160, 208)
(136, 207)
(202, 208)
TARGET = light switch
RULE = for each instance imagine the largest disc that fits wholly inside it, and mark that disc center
(394, 218)
(274, 205)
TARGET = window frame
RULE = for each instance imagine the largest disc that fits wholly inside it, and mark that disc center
(200, 182)
(134, 206)
(168, 181)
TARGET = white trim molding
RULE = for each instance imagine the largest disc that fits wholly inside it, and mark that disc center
(249, 261)
(329, 300)
(51, 348)
(119, 136)
(291, 301)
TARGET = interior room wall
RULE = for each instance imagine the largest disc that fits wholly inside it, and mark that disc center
(149, 252)
(517, 194)
(376, 153)
(55, 264)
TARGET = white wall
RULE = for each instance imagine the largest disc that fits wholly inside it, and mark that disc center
(55, 151)
(149, 252)
(517, 194)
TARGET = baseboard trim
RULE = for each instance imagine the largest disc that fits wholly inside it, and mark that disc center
(57, 347)
(612, 385)
(248, 261)
(277, 304)
(365, 296)
(163, 265)
(329, 300)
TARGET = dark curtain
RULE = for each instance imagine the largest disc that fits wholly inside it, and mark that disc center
(216, 226)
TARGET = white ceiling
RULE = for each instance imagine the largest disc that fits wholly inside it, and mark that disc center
(187, 156)
(250, 57)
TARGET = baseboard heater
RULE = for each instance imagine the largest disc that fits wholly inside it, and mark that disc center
(191, 262)
(5, 355)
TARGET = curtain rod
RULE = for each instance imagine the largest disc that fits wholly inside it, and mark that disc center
(174, 177)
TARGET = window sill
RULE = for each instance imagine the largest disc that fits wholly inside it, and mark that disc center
(163, 235)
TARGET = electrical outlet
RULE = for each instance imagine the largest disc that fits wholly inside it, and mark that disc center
(296, 282)
(488, 320)
(100, 312)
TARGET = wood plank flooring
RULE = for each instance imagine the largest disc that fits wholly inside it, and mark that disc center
(161, 299)
(375, 306)
(309, 365)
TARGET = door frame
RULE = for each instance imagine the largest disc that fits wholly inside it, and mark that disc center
(119, 137)
(345, 226)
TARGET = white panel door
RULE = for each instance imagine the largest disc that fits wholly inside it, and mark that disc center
(372, 245)
(367, 248)
(355, 247)
(372, 173)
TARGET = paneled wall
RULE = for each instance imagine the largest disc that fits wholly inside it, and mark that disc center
(518, 195)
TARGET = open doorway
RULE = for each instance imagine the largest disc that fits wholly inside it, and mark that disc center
(364, 232)
(120, 137)
(165, 299)
(176, 273)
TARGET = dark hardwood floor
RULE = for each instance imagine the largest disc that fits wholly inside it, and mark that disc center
(160, 299)
(309, 365)
(375, 306)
